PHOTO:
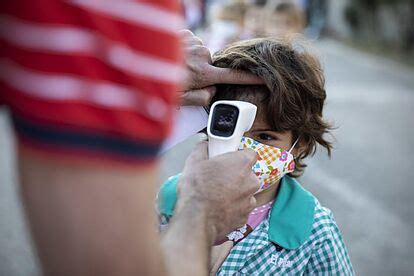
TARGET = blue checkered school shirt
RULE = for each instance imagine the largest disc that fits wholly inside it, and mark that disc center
(299, 237)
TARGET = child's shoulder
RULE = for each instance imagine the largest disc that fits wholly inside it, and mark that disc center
(324, 225)
(323, 219)
(321, 214)
(298, 217)
(324, 231)
(328, 247)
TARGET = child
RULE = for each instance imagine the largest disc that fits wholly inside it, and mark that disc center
(283, 18)
(289, 232)
(226, 26)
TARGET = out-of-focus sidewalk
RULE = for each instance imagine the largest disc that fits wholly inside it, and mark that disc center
(367, 183)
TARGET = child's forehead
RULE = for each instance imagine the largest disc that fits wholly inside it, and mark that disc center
(261, 121)
(255, 94)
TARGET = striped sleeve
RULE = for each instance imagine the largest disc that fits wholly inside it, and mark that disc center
(91, 78)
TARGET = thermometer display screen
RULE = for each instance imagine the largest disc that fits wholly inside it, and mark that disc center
(224, 120)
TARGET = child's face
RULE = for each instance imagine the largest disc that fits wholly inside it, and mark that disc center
(253, 21)
(262, 132)
(280, 24)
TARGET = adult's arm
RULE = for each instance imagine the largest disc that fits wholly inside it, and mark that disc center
(91, 220)
(87, 220)
(90, 122)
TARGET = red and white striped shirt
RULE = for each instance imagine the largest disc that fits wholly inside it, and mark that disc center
(91, 78)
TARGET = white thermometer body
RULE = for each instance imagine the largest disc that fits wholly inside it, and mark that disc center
(227, 122)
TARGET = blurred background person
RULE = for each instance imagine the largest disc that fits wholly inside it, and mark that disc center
(234, 20)
(226, 24)
(283, 18)
(194, 13)
(254, 19)
(316, 15)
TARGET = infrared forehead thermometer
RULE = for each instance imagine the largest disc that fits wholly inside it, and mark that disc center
(227, 122)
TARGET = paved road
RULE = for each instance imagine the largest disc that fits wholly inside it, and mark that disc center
(367, 183)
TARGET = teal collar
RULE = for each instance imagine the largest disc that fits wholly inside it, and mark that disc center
(167, 196)
(290, 220)
(292, 214)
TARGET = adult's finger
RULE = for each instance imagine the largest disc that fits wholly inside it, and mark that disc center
(185, 33)
(251, 185)
(250, 157)
(252, 202)
(188, 38)
(231, 76)
(199, 97)
(245, 157)
(199, 153)
(194, 40)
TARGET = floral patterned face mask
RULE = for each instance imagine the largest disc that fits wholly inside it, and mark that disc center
(272, 163)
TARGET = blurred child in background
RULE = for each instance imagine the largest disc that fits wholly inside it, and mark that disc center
(240, 19)
(227, 25)
(283, 18)
(254, 19)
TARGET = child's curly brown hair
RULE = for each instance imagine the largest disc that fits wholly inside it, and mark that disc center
(294, 92)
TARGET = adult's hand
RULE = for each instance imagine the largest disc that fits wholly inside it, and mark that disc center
(201, 75)
(215, 196)
(221, 187)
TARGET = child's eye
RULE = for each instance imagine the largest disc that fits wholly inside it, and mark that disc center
(265, 137)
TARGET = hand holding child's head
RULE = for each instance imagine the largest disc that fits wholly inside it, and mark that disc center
(201, 75)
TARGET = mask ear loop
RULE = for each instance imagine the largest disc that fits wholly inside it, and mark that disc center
(294, 144)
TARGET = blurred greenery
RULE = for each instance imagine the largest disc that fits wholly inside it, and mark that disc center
(367, 21)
